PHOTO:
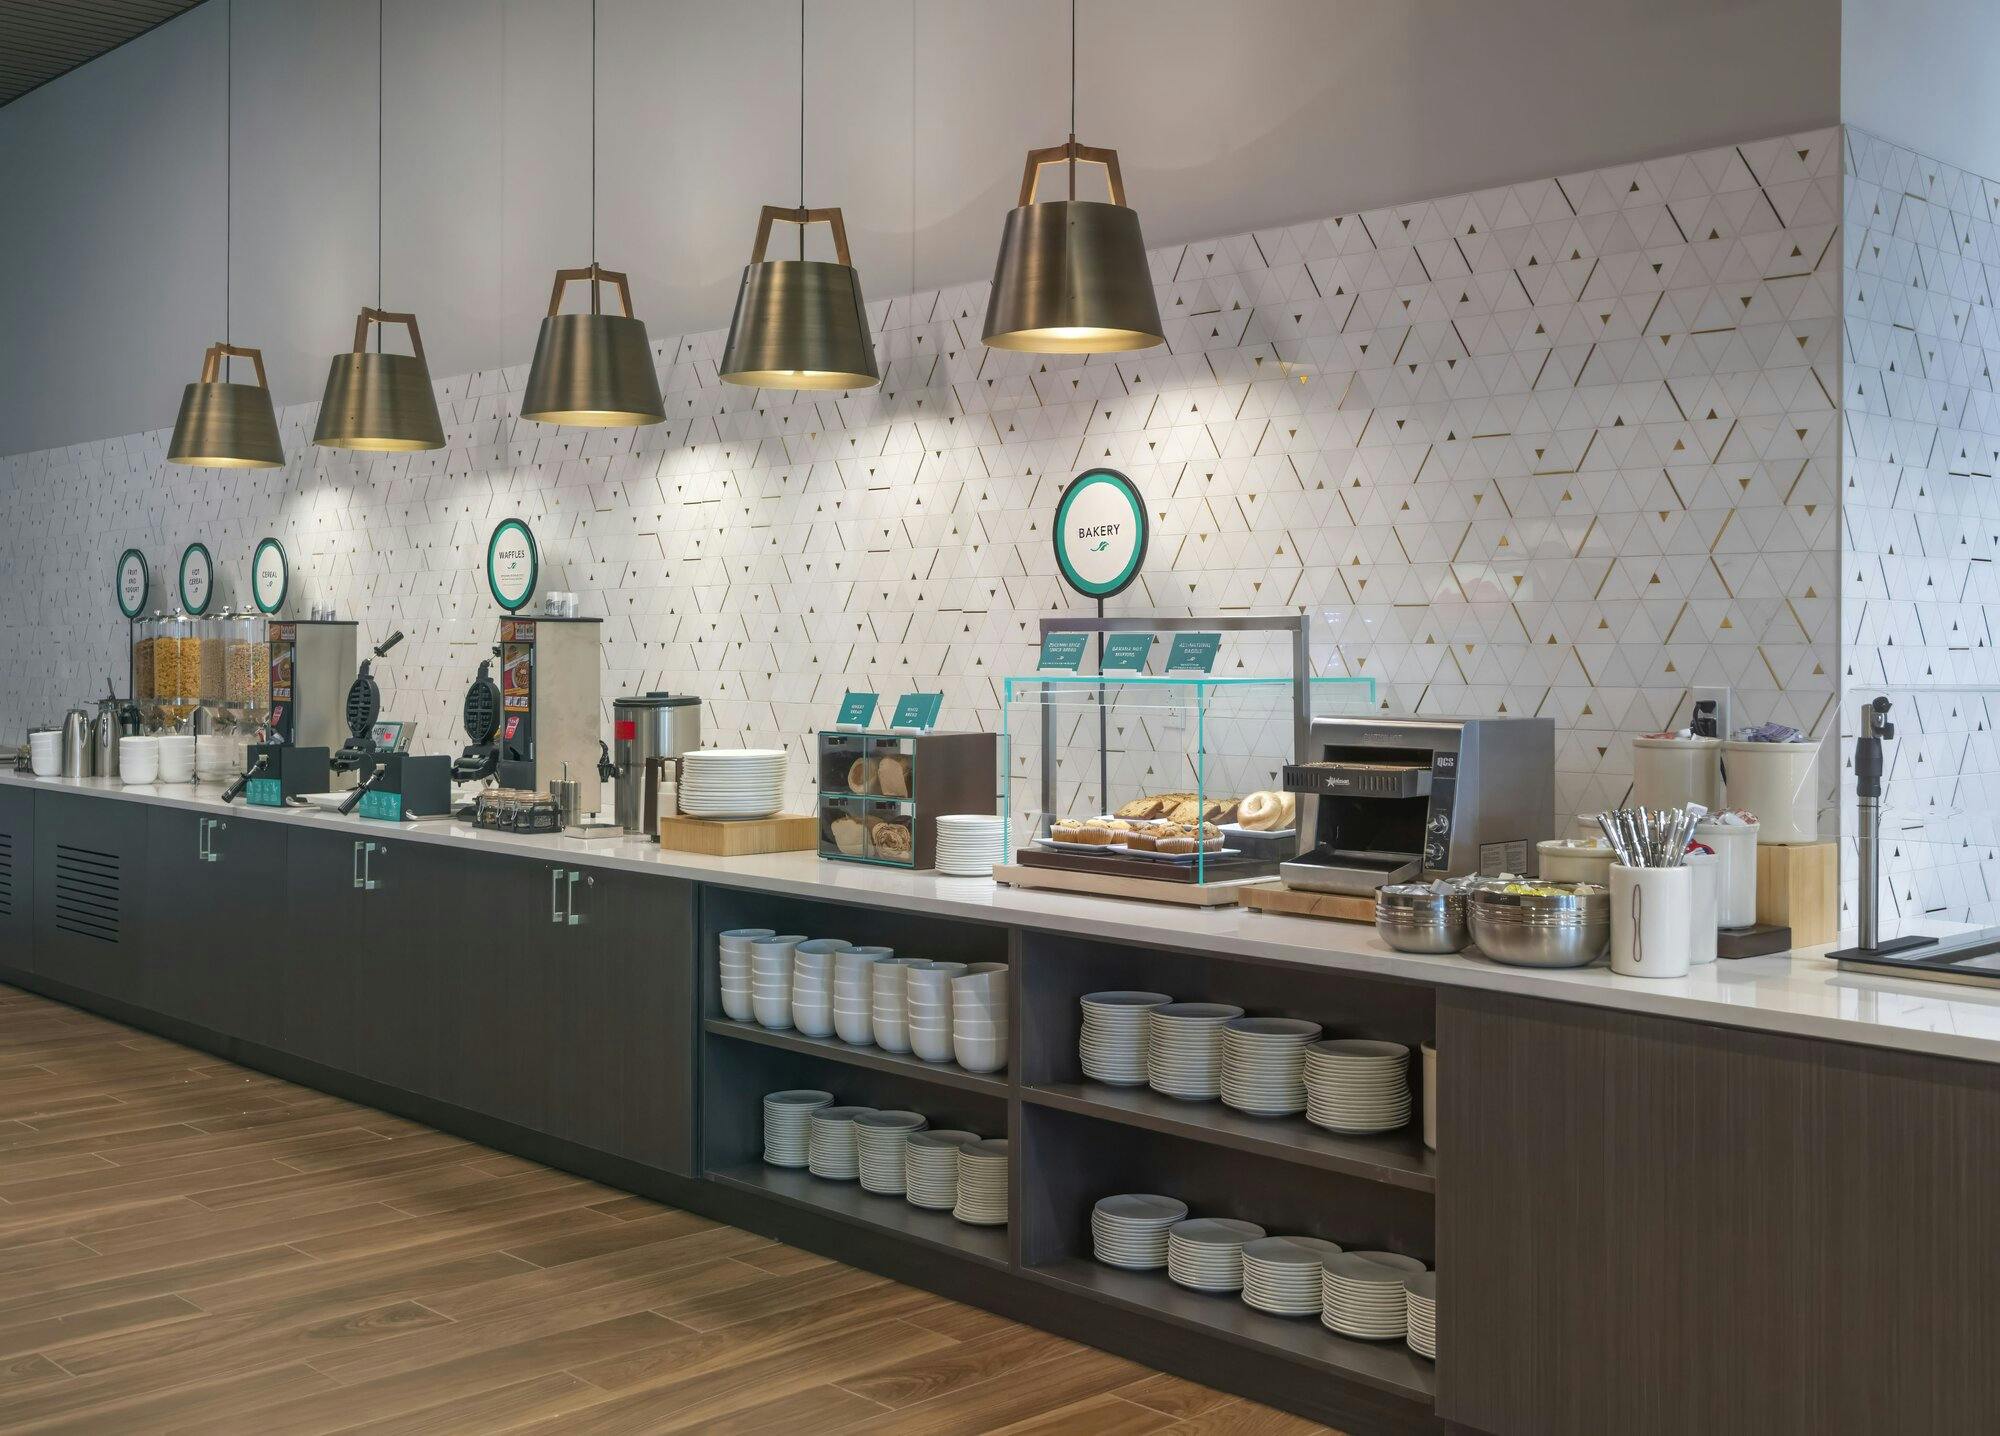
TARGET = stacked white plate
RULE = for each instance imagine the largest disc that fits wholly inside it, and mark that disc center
(880, 1138)
(1361, 1294)
(969, 844)
(1284, 1276)
(732, 970)
(930, 1167)
(1206, 1253)
(1130, 1230)
(771, 980)
(1112, 1044)
(45, 752)
(853, 999)
(1184, 1049)
(1420, 1292)
(1357, 1085)
(787, 1122)
(982, 1183)
(831, 1150)
(979, 1017)
(732, 782)
(138, 758)
(927, 1007)
(812, 985)
(886, 981)
(218, 757)
(177, 758)
(1263, 1064)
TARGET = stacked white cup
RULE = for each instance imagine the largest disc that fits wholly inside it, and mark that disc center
(771, 980)
(177, 758)
(886, 980)
(812, 985)
(138, 759)
(45, 752)
(979, 1017)
(853, 995)
(927, 1008)
(732, 966)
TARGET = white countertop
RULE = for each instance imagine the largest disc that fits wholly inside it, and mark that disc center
(1802, 994)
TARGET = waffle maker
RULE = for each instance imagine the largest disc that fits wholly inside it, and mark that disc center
(481, 717)
(359, 754)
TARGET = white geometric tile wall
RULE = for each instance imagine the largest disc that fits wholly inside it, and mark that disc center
(1565, 447)
(1921, 517)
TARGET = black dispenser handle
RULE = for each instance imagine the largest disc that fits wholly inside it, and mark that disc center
(229, 794)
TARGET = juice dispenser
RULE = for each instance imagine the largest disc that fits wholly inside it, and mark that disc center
(312, 663)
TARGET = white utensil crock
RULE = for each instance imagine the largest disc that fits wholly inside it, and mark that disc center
(1652, 921)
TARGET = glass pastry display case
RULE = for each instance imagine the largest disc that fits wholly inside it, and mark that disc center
(1165, 778)
(881, 793)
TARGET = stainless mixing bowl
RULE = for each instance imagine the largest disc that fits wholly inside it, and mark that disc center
(1412, 918)
(1535, 930)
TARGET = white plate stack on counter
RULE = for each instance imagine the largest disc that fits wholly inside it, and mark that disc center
(1284, 1275)
(1361, 1294)
(883, 1138)
(1263, 1064)
(970, 844)
(1357, 1085)
(1206, 1253)
(1112, 1044)
(732, 782)
(930, 1167)
(1184, 1049)
(982, 1183)
(1129, 1230)
(787, 1123)
(1420, 1291)
(832, 1154)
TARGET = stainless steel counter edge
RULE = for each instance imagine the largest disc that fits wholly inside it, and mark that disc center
(1802, 995)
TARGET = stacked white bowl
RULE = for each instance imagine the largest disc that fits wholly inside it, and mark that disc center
(812, 985)
(930, 1167)
(787, 1120)
(732, 782)
(853, 1000)
(1361, 1294)
(881, 1138)
(732, 970)
(886, 982)
(1284, 1275)
(969, 844)
(927, 1008)
(1264, 1063)
(138, 759)
(1130, 1230)
(218, 757)
(1358, 1085)
(45, 752)
(771, 980)
(177, 757)
(1184, 1049)
(1112, 1043)
(982, 1183)
(1206, 1253)
(831, 1151)
(979, 1017)
(1420, 1292)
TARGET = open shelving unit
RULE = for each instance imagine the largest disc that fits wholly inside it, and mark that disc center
(849, 1202)
(832, 1049)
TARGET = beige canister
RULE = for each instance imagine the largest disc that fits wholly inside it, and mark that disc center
(1779, 783)
(1673, 772)
(1574, 860)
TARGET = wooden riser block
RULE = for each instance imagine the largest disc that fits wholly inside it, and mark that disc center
(1336, 907)
(740, 837)
(1798, 886)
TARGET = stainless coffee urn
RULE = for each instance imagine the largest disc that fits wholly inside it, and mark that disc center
(645, 727)
(78, 757)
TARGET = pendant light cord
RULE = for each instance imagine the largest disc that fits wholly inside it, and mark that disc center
(593, 153)
(378, 169)
(802, 129)
(228, 167)
(1072, 99)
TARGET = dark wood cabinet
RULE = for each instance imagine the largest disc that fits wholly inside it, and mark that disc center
(499, 985)
(89, 895)
(17, 879)
(215, 919)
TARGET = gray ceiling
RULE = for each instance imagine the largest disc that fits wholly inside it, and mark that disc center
(41, 39)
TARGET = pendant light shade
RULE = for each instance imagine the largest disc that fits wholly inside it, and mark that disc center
(223, 425)
(1072, 277)
(800, 323)
(380, 402)
(593, 370)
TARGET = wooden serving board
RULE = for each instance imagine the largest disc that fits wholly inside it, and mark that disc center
(1112, 884)
(1338, 907)
(740, 837)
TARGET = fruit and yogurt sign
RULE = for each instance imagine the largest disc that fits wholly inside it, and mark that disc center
(1100, 533)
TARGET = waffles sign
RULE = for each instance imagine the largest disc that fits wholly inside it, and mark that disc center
(1100, 533)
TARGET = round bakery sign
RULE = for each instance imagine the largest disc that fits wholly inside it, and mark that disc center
(512, 564)
(197, 579)
(1100, 533)
(134, 583)
(270, 576)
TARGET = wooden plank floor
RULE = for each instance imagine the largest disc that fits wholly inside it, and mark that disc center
(187, 1245)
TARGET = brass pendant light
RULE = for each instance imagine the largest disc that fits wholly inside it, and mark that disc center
(222, 425)
(593, 370)
(379, 402)
(800, 323)
(1072, 276)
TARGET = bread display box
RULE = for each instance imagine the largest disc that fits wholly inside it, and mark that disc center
(881, 793)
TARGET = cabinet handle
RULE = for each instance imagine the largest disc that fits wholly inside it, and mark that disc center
(201, 840)
(368, 882)
(555, 899)
(216, 825)
(357, 865)
(575, 917)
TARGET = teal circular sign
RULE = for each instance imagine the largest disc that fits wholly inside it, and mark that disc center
(513, 565)
(134, 583)
(270, 576)
(1100, 533)
(197, 579)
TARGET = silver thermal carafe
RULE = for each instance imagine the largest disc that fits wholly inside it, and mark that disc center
(78, 757)
(648, 726)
